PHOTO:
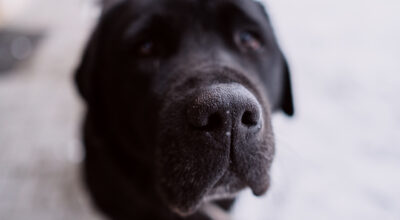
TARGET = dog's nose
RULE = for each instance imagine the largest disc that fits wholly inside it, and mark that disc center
(225, 108)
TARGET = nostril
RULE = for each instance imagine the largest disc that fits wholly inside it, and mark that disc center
(250, 118)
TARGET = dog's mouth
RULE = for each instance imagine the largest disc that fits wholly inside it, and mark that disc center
(228, 186)
(186, 193)
(232, 182)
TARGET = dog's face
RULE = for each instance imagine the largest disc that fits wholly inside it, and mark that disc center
(188, 86)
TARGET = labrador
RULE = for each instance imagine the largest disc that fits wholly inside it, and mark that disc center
(179, 97)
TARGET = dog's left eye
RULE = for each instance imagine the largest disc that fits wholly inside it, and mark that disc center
(248, 40)
(146, 48)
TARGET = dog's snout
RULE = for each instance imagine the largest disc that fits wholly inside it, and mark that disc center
(224, 108)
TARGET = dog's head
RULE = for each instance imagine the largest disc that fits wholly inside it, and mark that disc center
(190, 85)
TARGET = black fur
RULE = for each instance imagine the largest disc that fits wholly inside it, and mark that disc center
(158, 142)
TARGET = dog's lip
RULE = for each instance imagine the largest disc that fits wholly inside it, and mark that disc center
(260, 189)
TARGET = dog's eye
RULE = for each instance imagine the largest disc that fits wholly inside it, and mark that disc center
(146, 48)
(248, 40)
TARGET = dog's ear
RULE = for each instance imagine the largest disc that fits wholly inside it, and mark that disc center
(87, 67)
(286, 99)
(91, 62)
(286, 103)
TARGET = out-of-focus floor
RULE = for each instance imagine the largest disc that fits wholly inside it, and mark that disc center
(339, 158)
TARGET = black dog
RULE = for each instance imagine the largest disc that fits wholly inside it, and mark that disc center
(179, 97)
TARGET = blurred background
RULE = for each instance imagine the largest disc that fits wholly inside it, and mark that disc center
(338, 158)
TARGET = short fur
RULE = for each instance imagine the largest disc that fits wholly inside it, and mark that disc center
(148, 154)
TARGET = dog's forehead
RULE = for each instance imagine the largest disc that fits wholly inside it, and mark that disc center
(191, 7)
(192, 2)
(209, 3)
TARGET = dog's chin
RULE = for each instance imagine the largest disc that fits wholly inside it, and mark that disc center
(227, 187)
(186, 196)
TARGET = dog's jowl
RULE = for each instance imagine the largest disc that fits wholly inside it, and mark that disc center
(179, 98)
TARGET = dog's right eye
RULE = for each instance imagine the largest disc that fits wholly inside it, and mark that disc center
(248, 41)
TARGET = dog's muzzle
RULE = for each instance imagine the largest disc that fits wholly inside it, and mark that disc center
(217, 141)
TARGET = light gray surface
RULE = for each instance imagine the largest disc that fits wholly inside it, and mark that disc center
(39, 120)
(339, 158)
